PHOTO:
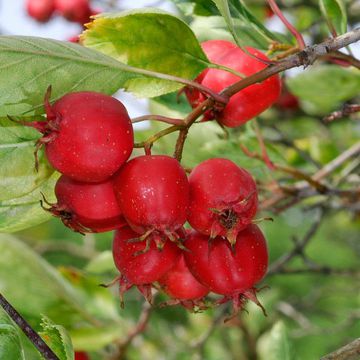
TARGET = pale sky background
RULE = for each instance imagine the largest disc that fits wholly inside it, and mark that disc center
(15, 21)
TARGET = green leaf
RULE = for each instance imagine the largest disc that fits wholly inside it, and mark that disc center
(214, 27)
(324, 88)
(17, 172)
(29, 65)
(275, 344)
(57, 338)
(102, 263)
(45, 290)
(196, 7)
(25, 211)
(231, 9)
(10, 344)
(149, 39)
(335, 14)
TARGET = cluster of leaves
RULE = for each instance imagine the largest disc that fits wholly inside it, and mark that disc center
(309, 314)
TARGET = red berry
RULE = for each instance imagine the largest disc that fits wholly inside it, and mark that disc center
(87, 207)
(88, 135)
(223, 198)
(153, 193)
(80, 355)
(226, 270)
(250, 101)
(287, 101)
(214, 50)
(40, 10)
(180, 284)
(74, 10)
(138, 264)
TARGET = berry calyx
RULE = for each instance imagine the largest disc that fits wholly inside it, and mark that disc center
(250, 101)
(87, 207)
(139, 267)
(223, 198)
(87, 135)
(153, 194)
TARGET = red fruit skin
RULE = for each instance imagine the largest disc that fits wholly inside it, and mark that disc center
(214, 50)
(225, 270)
(92, 206)
(74, 10)
(143, 268)
(94, 136)
(40, 10)
(80, 355)
(153, 193)
(180, 284)
(287, 101)
(250, 101)
(219, 185)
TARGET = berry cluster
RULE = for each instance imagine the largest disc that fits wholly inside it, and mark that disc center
(78, 11)
(149, 199)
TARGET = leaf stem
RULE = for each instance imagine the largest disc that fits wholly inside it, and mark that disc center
(290, 27)
(161, 118)
(32, 335)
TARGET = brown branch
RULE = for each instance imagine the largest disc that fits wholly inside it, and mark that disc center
(348, 352)
(137, 330)
(30, 333)
(298, 250)
(347, 110)
(305, 58)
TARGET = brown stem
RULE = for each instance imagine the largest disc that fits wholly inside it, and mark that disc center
(138, 329)
(347, 110)
(164, 119)
(348, 352)
(30, 333)
(305, 57)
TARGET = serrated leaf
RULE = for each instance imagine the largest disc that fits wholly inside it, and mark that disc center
(25, 211)
(45, 290)
(149, 39)
(324, 88)
(231, 9)
(17, 172)
(275, 344)
(10, 344)
(57, 338)
(335, 14)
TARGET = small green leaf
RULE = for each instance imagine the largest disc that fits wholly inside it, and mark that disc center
(275, 344)
(17, 172)
(149, 39)
(57, 338)
(10, 344)
(25, 211)
(324, 88)
(335, 14)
